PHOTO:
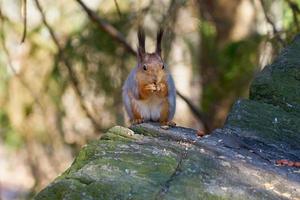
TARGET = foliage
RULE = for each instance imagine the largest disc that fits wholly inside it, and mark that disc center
(38, 105)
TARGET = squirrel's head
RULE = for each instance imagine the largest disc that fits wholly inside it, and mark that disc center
(151, 67)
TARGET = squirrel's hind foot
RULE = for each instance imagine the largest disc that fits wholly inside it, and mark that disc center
(167, 125)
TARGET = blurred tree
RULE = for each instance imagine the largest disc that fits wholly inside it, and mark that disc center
(62, 87)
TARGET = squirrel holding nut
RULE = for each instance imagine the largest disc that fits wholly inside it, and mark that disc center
(149, 92)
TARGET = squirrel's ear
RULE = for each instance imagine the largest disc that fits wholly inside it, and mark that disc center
(158, 41)
(141, 48)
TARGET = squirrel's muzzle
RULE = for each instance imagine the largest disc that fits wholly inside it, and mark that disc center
(154, 80)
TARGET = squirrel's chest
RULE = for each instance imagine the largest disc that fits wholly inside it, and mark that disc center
(150, 109)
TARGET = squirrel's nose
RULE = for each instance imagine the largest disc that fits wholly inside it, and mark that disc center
(154, 80)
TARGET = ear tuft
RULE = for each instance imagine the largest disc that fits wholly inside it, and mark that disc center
(158, 41)
(141, 38)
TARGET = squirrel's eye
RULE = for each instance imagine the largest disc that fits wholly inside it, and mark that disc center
(163, 66)
(145, 67)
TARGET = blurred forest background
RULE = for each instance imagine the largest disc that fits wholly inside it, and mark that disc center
(62, 65)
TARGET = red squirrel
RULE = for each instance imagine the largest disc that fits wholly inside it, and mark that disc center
(149, 92)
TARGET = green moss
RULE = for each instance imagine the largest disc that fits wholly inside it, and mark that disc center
(60, 189)
(144, 131)
(139, 168)
(120, 133)
(265, 120)
(279, 83)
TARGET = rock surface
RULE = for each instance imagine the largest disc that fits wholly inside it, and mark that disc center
(235, 162)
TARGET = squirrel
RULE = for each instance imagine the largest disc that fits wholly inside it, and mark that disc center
(149, 92)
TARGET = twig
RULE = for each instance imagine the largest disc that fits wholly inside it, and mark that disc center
(118, 9)
(275, 31)
(24, 15)
(115, 34)
(106, 27)
(168, 20)
(295, 10)
(10, 65)
(200, 115)
(72, 75)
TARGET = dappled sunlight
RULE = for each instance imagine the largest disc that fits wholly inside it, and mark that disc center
(62, 87)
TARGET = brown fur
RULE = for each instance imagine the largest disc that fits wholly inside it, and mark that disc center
(162, 89)
(151, 79)
(137, 117)
(164, 113)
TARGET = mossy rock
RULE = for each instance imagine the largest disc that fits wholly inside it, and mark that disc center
(266, 122)
(125, 165)
(279, 83)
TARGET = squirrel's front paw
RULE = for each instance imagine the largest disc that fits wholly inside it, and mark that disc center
(151, 87)
(160, 87)
(137, 121)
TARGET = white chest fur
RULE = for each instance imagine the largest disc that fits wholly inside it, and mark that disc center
(150, 109)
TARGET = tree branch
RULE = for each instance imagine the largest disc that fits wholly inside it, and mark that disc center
(200, 115)
(295, 9)
(67, 64)
(10, 65)
(106, 27)
(24, 15)
(167, 22)
(118, 8)
(275, 31)
(116, 35)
